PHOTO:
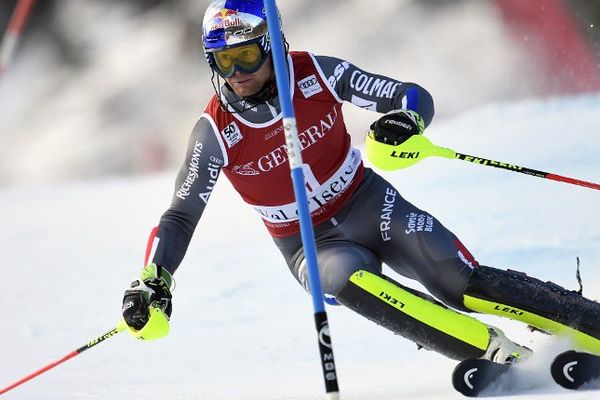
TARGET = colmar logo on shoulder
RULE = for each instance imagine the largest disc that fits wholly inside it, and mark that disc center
(310, 86)
(232, 134)
(372, 85)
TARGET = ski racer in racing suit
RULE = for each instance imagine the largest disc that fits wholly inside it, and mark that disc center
(360, 220)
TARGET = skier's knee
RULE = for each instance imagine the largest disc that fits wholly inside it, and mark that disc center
(449, 282)
(337, 263)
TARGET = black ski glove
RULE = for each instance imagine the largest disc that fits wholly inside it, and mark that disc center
(153, 289)
(397, 126)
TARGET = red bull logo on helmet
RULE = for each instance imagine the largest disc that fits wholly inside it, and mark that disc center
(226, 18)
(225, 12)
(232, 22)
(227, 23)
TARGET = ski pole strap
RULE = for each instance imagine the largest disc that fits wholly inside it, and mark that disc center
(119, 328)
(525, 170)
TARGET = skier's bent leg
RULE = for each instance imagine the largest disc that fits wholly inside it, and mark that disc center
(352, 273)
(415, 316)
(544, 305)
(418, 317)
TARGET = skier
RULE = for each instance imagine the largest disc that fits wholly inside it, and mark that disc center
(360, 220)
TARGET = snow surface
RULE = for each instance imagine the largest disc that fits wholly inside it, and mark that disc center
(242, 328)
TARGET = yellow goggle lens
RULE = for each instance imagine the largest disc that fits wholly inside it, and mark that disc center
(246, 57)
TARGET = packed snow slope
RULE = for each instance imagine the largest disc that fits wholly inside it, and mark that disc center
(242, 328)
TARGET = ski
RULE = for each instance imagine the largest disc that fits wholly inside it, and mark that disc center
(573, 369)
(471, 377)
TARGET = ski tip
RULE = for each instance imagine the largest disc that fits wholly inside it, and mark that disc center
(463, 380)
(573, 369)
(471, 377)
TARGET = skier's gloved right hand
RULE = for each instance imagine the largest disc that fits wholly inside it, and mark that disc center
(147, 303)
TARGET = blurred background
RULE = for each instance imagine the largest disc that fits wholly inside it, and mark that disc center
(113, 87)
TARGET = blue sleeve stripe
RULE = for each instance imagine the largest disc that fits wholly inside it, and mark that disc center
(412, 99)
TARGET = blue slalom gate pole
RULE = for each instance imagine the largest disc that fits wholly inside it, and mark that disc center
(306, 229)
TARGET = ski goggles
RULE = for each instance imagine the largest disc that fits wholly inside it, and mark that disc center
(248, 58)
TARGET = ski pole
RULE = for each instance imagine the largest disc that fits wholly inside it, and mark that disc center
(121, 326)
(525, 170)
(306, 229)
(13, 32)
(418, 147)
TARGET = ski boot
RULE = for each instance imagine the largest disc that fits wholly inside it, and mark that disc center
(502, 350)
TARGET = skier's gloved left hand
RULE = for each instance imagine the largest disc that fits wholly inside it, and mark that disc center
(147, 303)
(395, 127)
(395, 140)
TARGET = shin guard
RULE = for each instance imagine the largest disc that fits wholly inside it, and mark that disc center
(415, 316)
(544, 305)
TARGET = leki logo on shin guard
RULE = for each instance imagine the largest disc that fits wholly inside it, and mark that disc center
(390, 299)
(508, 310)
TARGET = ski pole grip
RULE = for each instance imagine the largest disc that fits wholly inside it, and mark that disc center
(441, 152)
